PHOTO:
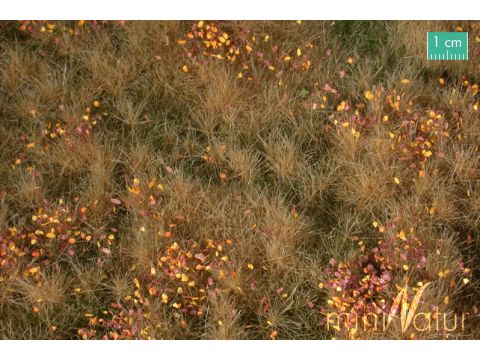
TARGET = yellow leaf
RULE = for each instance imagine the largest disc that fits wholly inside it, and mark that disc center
(368, 95)
(34, 269)
(185, 68)
(152, 291)
(151, 184)
(250, 266)
(134, 190)
(299, 52)
(136, 282)
(397, 180)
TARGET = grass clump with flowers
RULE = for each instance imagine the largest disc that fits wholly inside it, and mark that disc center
(236, 180)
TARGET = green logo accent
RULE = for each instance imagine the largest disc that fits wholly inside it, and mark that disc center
(447, 46)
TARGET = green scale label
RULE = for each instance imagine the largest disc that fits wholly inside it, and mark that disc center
(447, 46)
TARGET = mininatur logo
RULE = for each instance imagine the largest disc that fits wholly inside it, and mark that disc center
(403, 311)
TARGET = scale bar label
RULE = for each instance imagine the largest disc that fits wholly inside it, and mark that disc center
(443, 46)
